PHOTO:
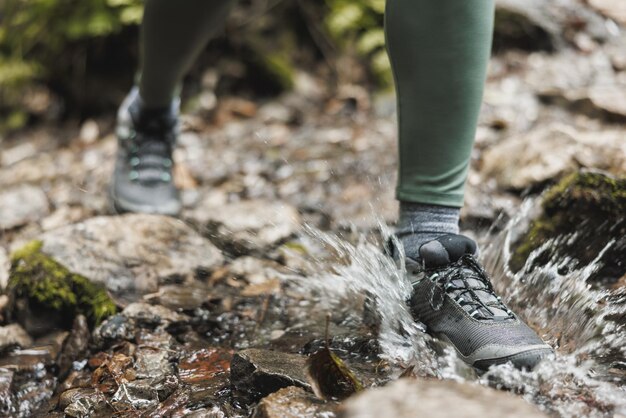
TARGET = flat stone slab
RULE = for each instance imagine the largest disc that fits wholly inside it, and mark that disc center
(414, 398)
(131, 253)
(256, 373)
(248, 226)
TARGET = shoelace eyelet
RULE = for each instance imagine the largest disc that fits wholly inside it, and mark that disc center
(133, 175)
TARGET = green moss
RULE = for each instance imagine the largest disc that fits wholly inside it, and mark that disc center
(592, 204)
(47, 284)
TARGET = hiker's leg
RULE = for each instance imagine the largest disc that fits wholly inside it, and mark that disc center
(173, 34)
(439, 51)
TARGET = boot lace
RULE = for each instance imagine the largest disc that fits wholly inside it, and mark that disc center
(468, 284)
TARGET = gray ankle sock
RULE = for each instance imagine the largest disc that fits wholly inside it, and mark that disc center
(420, 223)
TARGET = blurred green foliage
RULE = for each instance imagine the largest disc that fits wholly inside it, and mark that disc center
(34, 33)
(358, 24)
(37, 37)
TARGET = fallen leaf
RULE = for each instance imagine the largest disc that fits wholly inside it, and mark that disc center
(329, 376)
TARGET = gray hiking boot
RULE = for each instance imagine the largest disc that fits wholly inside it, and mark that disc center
(142, 180)
(456, 301)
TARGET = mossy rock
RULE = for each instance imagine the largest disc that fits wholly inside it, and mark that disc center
(48, 288)
(590, 204)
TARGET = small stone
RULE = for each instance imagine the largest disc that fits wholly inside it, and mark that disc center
(138, 394)
(255, 373)
(22, 204)
(87, 406)
(275, 113)
(115, 328)
(153, 314)
(152, 362)
(14, 335)
(293, 402)
(409, 398)
(75, 394)
(248, 226)
(89, 131)
(182, 297)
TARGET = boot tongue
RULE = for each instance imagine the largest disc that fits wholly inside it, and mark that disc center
(445, 250)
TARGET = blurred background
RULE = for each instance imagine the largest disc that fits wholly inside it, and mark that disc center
(308, 71)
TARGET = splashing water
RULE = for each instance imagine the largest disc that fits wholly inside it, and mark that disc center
(586, 326)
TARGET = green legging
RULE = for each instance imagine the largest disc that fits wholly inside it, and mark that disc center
(439, 51)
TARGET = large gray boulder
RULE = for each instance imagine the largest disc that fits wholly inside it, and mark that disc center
(412, 398)
(130, 254)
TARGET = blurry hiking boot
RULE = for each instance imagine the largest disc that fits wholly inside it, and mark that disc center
(454, 298)
(142, 180)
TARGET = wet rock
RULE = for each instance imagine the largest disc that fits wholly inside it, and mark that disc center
(75, 346)
(130, 254)
(293, 402)
(138, 394)
(188, 402)
(204, 365)
(248, 226)
(47, 295)
(408, 398)
(529, 159)
(32, 395)
(74, 395)
(22, 204)
(14, 336)
(127, 325)
(32, 360)
(257, 373)
(153, 362)
(52, 343)
(115, 328)
(6, 394)
(153, 314)
(589, 205)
